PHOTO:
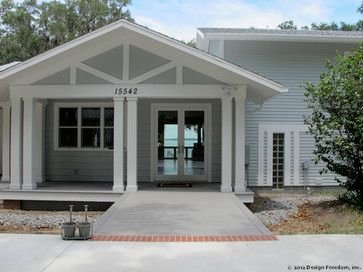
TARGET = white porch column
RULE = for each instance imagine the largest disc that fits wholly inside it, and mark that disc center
(29, 144)
(226, 182)
(131, 144)
(16, 165)
(239, 144)
(6, 142)
(118, 145)
(39, 142)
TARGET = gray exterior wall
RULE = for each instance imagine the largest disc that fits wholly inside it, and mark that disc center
(98, 165)
(290, 64)
(73, 165)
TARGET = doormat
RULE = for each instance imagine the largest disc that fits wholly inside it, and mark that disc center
(175, 184)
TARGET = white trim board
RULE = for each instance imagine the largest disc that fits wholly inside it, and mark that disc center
(287, 129)
(108, 91)
(79, 106)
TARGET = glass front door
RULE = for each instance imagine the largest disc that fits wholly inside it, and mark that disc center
(180, 143)
(194, 144)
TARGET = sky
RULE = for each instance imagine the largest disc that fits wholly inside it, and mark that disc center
(180, 18)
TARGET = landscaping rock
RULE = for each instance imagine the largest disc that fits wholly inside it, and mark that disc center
(39, 220)
(278, 208)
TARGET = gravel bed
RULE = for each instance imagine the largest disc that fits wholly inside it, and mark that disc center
(39, 220)
(279, 208)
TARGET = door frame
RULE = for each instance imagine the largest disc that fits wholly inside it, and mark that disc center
(207, 108)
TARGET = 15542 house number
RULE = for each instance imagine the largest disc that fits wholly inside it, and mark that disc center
(126, 91)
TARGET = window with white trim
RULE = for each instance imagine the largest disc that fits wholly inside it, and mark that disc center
(83, 126)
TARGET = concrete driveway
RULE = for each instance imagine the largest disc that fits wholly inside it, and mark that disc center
(176, 214)
(49, 253)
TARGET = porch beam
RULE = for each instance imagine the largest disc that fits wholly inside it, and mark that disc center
(5, 141)
(16, 176)
(226, 182)
(239, 139)
(108, 91)
(118, 145)
(131, 144)
(29, 144)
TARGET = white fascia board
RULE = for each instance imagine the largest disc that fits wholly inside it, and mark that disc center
(209, 58)
(57, 50)
(154, 36)
(283, 37)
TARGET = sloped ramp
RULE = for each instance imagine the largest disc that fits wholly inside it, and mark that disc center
(156, 216)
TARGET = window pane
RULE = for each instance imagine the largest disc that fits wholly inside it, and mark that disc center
(108, 138)
(108, 117)
(278, 160)
(68, 117)
(90, 137)
(91, 117)
(67, 137)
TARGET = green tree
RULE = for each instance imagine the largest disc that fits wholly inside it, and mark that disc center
(28, 28)
(336, 120)
(287, 25)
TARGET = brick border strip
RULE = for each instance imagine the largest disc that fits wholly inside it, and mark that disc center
(183, 238)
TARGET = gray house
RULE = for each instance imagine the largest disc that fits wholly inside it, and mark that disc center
(125, 106)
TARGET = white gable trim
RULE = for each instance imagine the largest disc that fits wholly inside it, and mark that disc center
(98, 73)
(248, 75)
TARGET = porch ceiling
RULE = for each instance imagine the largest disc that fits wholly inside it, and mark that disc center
(259, 88)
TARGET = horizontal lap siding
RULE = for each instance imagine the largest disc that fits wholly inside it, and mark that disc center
(311, 175)
(74, 165)
(98, 165)
(290, 64)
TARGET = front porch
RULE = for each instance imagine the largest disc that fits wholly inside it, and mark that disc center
(131, 158)
(84, 112)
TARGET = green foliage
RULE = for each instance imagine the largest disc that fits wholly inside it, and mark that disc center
(287, 25)
(28, 28)
(342, 27)
(336, 119)
(191, 43)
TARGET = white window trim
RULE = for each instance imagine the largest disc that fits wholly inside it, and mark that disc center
(287, 129)
(79, 106)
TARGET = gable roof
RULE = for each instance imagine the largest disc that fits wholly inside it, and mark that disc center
(256, 82)
(285, 35)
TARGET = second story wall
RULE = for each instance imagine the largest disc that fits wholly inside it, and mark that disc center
(290, 64)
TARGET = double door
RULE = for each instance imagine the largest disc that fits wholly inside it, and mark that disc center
(180, 142)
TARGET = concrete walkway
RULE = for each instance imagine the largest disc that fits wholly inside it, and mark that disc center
(34, 253)
(157, 213)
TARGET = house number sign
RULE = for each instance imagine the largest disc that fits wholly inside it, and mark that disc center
(126, 91)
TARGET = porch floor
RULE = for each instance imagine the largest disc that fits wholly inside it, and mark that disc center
(154, 213)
